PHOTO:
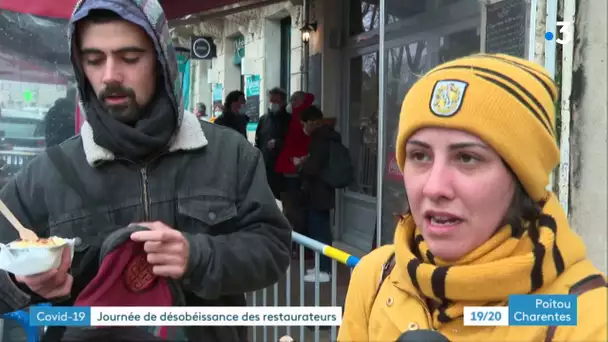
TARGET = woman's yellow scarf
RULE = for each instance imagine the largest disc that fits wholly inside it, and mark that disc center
(504, 265)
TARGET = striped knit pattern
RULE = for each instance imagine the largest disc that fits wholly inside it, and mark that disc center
(507, 102)
(507, 264)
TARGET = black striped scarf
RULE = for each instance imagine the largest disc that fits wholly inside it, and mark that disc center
(506, 264)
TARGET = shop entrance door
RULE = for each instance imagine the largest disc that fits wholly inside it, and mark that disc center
(407, 59)
(357, 203)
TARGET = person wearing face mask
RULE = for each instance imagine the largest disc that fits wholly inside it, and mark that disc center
(295, 147)
(234, 115)
(476, 144)
(270, 136)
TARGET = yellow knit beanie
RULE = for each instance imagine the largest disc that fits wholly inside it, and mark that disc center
(506, 101)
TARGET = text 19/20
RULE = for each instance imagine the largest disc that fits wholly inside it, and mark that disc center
(486, 316)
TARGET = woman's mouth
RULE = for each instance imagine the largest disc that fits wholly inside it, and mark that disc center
(441, 223)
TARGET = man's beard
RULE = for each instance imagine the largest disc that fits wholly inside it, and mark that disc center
(128, 112)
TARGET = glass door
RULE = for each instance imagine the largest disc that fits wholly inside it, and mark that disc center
(407, 60)
(358, 202)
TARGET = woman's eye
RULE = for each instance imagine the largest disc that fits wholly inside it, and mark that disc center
(130, 60)
(418, 156)
(467, 158)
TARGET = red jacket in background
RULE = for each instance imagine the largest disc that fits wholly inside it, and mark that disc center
(296, 142)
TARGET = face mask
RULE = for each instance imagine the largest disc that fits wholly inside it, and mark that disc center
(288, 109)
(274, 108)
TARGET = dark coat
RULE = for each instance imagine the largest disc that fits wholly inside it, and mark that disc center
(272, 126)
(315, 193)
(236, 121)
(216, 195)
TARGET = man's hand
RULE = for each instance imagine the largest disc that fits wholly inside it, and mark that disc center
(271, 144)
(167, 249)
(55, 283)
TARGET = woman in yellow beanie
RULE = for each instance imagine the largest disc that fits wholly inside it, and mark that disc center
(476, 145)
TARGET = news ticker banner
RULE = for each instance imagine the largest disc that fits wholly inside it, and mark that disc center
(185, 316)
(526, 310)
(523, 310)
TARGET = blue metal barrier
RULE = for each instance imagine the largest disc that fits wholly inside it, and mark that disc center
(23, 318)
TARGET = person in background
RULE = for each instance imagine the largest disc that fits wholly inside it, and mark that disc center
(270, 136)
(234, 115)
(476, 145)
(295, 147)
(318, 198)
(141, 162)
(201, 111)
(60, 120)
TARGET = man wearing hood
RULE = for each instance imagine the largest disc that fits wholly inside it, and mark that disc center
(140, 161)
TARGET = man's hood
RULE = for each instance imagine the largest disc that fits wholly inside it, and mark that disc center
(147, 14)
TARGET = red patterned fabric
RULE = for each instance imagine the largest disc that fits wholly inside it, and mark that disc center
(125, 278)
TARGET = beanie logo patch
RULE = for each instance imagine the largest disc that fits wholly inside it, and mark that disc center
(447, 97)
(138, 275)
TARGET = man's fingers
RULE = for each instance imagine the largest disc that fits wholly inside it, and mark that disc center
(156, 225)
(156, 235)
(170, 271)
(66, 260)
(163, 247)
(37, 280)
(164, 259)
(61, 291)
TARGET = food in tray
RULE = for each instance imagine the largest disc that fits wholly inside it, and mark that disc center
(50, 242)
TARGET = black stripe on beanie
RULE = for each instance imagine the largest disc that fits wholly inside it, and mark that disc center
(438, 282)
(412, 267)
(532, 72)
(521, 100)
(518, 86)
(538, 250)
(549, 222)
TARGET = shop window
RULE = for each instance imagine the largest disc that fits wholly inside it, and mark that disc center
(364, 16)
(459, 44)
(397, 10)
(363, 122)
(286, 54)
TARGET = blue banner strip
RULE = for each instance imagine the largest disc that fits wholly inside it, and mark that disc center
(68, 316)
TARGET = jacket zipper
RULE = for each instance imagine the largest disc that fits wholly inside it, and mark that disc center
(146, 194)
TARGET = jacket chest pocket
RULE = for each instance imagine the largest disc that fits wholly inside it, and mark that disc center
(91, 230)
(214, 215)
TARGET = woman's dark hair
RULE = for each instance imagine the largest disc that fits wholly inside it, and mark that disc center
(311, 113)
(522, 209)
(231, 98)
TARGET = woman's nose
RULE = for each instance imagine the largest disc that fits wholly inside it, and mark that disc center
(438, 183)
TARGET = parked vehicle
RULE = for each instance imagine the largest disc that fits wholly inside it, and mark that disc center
(21, 139)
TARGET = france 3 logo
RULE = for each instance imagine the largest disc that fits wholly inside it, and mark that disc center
(566, 31)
